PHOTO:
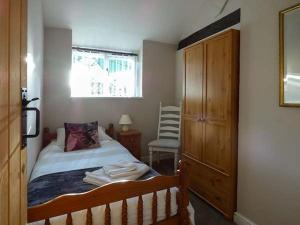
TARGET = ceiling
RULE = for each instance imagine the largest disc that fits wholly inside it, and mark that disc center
(124, 24)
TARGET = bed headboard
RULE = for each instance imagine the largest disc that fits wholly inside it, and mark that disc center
(49, 136)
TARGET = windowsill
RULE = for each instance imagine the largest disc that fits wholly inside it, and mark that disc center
(109, 98)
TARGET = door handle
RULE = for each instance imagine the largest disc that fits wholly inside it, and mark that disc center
(37, 123)
(201, 119)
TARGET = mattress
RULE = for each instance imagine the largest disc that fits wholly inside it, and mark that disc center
(53, 159)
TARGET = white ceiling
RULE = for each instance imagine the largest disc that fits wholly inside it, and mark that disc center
(124, 24)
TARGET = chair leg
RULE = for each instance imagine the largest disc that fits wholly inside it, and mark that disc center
(150, 156)
(175, 162)
(158, 158)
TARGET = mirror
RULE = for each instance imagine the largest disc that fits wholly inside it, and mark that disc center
(290, 57)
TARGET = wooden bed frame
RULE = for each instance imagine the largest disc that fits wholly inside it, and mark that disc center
(119, 191)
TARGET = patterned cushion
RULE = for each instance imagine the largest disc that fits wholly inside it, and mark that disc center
(81, 136)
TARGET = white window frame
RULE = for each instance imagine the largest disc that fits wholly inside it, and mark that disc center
(137, 83)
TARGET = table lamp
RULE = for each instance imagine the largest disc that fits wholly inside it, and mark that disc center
(125, 121)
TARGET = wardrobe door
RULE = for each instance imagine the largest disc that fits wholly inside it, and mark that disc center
(193, 110)
(12, 60)
(23, 157)
(217, 108)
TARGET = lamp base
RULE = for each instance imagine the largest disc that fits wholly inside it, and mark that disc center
(125, 128)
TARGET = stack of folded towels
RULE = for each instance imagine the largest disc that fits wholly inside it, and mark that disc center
(116, 172)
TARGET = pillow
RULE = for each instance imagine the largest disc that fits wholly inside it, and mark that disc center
(81, 136)
(102, 135)
(61, 136)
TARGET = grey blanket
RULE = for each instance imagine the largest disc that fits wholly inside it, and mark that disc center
(50, 186)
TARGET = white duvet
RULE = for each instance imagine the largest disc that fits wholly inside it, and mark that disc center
(53, 159)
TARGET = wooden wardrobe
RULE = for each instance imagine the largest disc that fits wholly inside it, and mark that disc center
(210, 119)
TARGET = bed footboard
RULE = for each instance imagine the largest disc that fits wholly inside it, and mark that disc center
(121, 191)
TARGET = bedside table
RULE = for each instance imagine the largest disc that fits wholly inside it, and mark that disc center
(132, 141)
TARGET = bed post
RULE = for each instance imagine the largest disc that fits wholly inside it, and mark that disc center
(183, 198)
(47, 136)
(110, 131)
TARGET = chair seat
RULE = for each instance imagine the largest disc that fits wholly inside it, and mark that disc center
(164, 143)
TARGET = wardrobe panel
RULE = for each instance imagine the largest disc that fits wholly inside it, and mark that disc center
(15, 75)
(217, 151)
(194, 80)
(217, 77)
(23, 186)
(14, 188)
(192, 138)
(4, 195)
(4, 62)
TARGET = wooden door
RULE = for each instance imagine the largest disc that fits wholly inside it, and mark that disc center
(193, 109)
(217, 105)
(12, 74)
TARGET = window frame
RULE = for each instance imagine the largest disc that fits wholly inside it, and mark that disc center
(138, 86)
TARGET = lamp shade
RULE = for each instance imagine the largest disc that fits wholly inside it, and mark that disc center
(125, 120)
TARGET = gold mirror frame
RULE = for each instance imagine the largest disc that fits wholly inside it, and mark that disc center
(281, 56)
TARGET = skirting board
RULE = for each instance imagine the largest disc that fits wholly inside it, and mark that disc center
(239, 219)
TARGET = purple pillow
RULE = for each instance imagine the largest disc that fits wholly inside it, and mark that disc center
(81, 136)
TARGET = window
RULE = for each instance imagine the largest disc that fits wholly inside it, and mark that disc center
(104, 74)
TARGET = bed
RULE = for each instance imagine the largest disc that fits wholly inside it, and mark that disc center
(57, 195)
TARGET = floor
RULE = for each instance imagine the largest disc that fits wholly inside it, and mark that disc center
(204, 213)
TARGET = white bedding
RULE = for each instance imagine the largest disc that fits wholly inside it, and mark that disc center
(53, 159)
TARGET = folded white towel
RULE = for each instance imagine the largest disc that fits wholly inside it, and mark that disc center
(117, 169)
(99, 177)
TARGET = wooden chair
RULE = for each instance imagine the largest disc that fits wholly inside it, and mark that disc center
(168, 135)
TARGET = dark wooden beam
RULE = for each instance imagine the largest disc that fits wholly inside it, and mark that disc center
(221, 24)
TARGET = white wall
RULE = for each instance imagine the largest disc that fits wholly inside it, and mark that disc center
(158, 66)
(34, 74)
(268, 158)
(269, 168)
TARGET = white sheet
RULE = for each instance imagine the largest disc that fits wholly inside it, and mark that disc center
(53, 159)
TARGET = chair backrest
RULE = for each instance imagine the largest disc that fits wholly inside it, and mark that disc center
(169, 124)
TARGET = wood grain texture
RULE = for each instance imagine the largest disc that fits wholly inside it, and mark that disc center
(168, 204)
(47, 222)
(69, 220)
(193, 101)
(107, 219)
(23, 188)
(12, 160)
(154, 208)
(210, 143)
(140, 210)
(116, 192)
(89, 217)
(124, 212)
(4, 195)
(14, 188)
(217, 103)
(193, 79)
(4, 81)
(24, 22)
